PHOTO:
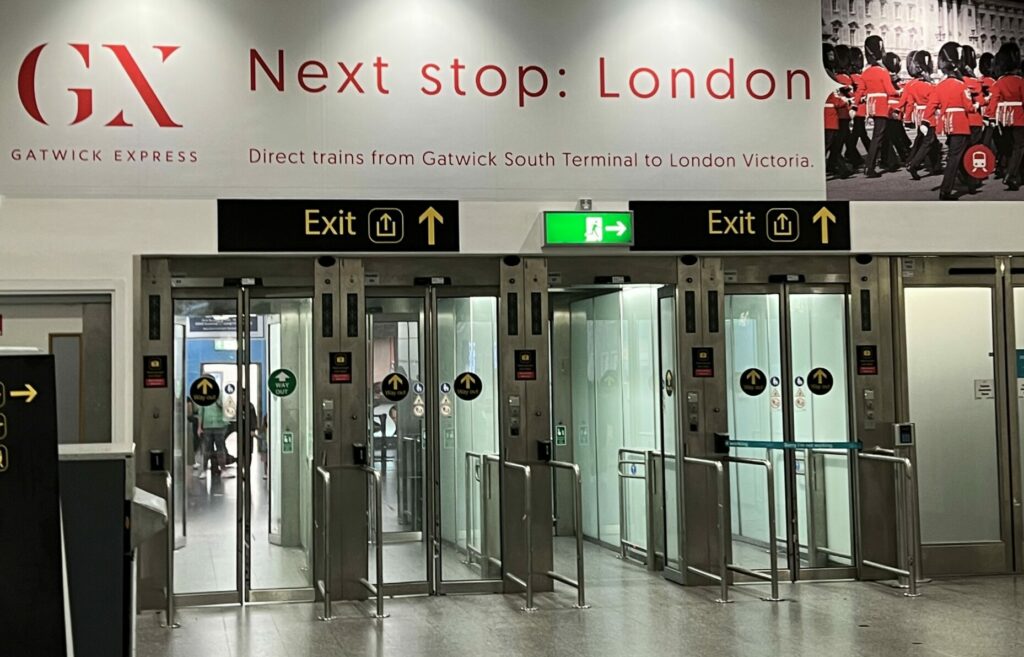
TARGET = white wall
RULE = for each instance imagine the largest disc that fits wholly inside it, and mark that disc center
(31, 326)
(89, 245)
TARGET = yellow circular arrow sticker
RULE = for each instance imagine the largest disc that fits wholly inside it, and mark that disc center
(820, 381)
(468, 386)
(205, 391)
(395, 387)
(753, 382)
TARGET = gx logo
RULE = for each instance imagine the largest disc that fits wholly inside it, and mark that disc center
(27, 78)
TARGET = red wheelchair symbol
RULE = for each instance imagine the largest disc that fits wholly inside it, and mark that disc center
(979, 161)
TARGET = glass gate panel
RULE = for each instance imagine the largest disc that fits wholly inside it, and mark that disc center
(669, 389)
(949, 333)
(398, 434)
(470, 492)
(208, 561)
(754, 350)
(818, 349)
(281, 443)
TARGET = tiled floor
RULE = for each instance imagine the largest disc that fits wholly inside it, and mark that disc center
(633, 613)
(206, 562)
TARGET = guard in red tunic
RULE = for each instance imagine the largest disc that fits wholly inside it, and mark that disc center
(985, 63)
(1007, 106)
(913, 101)
(859, 132)
(835, 105)
(878, 89)
(969, 60)
(950, 102)
(845, 91)
(896, 147)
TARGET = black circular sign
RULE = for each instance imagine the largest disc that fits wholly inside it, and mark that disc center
(204, 391)
(775, 381)
(395, 387)
(820, 381)
(468, 386)
(753, 382)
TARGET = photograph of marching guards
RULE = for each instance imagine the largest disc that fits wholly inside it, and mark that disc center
(928, 102)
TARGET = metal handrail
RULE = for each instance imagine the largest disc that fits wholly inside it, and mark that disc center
(722, 578)
(169, 484)
(772, 552)
(909, 528)
(577, 505)
(484, 480)
(528, 582)
(323, 585)
(648, 466)
(376, 589)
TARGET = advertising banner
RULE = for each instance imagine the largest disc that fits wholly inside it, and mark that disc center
(645, 100)
(393, 99)
(926, 100)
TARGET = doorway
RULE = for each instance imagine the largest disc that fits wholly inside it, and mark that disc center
(789, 402)
(964, 372)
(434, 437)
(242, 464)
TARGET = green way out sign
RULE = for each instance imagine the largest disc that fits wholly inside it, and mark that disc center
(588, 228)
(282, 383)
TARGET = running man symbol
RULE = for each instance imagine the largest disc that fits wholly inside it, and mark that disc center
(595, 229)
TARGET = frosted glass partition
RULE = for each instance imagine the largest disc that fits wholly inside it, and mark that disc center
(753, 341)
(583, 403)
(818, 345)
(616, 403)
(949, 356)
(608, 417)
(669, 363)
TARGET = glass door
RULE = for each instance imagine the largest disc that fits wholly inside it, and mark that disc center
(243, 420)
(434, 438)
(788, 402)
(960, 398)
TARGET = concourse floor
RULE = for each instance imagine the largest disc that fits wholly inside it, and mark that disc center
(633, 613)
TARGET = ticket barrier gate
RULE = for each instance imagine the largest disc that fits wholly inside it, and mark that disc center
(724, 529)
(526, 578)
(323, 523)
(643, 465)
(908, 538)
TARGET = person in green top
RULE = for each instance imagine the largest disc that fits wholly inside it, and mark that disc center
(213, 430)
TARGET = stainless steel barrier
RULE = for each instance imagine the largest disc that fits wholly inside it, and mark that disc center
(323, 523)
(905, 518)
(377, 588)
(577, 518)
(526, 583)
(650, 494)
(723, 531)
(773, 554)
(171, 624)
(324, 585)
(491, 559)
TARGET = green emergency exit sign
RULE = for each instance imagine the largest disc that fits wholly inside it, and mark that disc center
(588, 228)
